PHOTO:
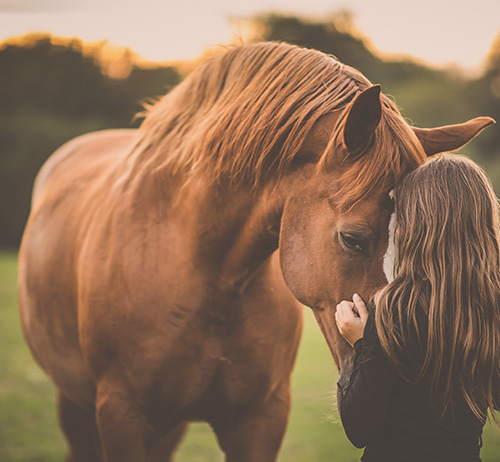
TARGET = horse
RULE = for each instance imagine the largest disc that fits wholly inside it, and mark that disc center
(162, 270)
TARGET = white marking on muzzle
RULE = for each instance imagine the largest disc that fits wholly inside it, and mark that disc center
(389, 254)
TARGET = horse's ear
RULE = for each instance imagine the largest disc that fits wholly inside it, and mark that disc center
(451, 137)
(363, 118)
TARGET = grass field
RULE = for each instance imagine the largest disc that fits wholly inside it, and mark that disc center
(28, 423)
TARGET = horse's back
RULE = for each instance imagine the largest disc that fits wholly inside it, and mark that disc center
(82, 155)
(77, 176)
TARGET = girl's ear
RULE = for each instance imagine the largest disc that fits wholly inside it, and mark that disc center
(362, 120)
(451, 137)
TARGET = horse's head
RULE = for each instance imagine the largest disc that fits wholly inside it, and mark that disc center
(335, 237)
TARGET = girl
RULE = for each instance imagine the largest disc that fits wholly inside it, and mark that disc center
(427, 352)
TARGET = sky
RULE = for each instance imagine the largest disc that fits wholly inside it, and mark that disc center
(439, 32)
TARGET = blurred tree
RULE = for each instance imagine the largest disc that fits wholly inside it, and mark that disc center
(486, 96)
(430, 97)
(50, 93)
(493, 67)
(53, 78)
(332, 37)
(147, 83)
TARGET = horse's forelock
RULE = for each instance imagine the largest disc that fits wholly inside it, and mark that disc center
(393, 152)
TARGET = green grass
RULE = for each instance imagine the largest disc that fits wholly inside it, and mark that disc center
(28, 422)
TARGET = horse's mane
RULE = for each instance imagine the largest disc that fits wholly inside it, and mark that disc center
(245, 114)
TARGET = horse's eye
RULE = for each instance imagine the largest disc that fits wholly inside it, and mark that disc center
(354, 243)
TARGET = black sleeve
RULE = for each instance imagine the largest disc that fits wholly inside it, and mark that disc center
(364, 402)
(496, 395)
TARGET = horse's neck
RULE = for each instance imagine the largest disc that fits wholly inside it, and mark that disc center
(233, 231)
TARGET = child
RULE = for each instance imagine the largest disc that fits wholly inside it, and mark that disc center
(427, 352)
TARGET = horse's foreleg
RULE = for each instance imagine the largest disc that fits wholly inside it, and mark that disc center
(123, 429)
(256, 436)
(164, 450)
(80, 429)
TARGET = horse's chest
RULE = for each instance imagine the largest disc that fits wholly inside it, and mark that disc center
(222, 377)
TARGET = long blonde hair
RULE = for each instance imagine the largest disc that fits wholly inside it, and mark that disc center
(447, 265)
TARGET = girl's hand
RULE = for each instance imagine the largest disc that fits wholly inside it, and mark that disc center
(351, 318)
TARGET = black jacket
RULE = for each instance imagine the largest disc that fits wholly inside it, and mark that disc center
(394, 418)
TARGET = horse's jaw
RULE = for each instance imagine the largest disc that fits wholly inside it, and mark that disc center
(341, 351)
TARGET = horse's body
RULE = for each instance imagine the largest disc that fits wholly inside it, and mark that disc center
(160, 284)
(151, 292)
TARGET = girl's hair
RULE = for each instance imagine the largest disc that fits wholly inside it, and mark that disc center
(447, 267)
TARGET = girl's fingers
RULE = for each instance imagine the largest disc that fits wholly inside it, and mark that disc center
(344, 311)
(345, 306)
(349, 324)
(360, 306)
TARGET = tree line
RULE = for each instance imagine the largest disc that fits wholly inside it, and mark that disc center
(51, 92)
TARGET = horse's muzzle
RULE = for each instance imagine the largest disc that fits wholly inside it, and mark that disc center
(341, 351)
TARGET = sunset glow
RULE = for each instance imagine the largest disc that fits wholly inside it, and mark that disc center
(439, 32)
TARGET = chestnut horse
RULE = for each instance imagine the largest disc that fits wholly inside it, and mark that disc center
(151, 289)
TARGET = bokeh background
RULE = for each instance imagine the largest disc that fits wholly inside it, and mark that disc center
(72, 66)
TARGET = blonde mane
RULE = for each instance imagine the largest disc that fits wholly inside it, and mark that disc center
(244, 115)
